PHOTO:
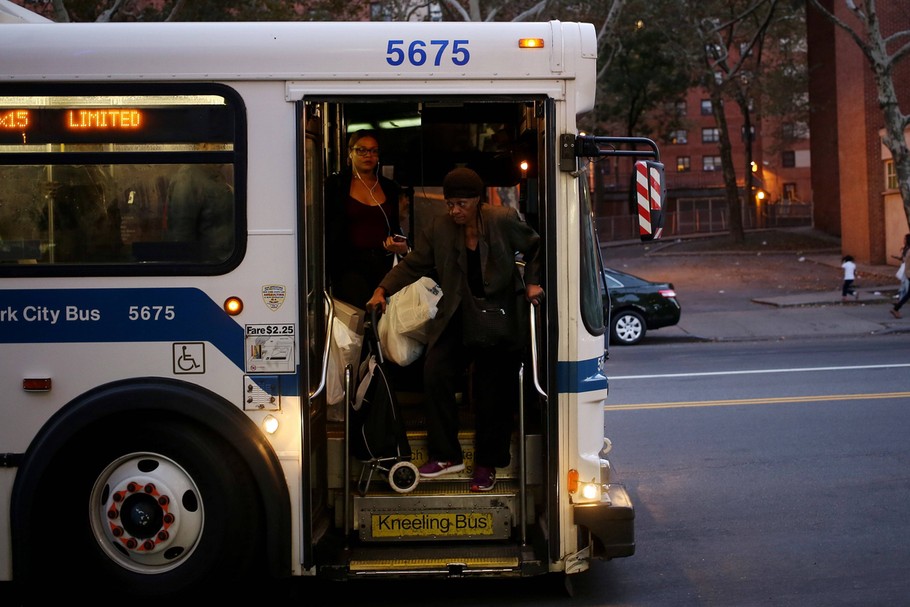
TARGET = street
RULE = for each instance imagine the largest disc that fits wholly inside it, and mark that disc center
(770, 474)
(767, 473)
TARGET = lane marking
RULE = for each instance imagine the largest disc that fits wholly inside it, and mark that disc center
(756, 401)
(759, 371)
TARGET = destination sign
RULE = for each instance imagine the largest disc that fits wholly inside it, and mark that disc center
(117, 125)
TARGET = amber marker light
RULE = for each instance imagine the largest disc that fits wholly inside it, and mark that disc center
(233, 306)
(572, 481)
(530, 43)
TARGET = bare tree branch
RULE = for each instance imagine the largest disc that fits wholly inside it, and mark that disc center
(458, 8)
(532, 12)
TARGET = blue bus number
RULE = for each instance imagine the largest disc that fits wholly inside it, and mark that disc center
(418, 54)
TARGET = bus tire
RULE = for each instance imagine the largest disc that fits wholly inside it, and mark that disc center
(147, 509)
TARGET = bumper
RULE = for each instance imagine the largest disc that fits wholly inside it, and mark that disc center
(611, 524)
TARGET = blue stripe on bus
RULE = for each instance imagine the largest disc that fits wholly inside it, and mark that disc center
(104, 316)
(580, 376)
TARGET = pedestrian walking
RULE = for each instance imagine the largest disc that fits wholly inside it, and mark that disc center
(902, 275)
(849, 289)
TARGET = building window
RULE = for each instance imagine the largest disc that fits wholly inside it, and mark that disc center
(710, 135)
(711, 163)
(706, 107)
(683, 164)
(890, 175)
(681, 108)
(788, 159)
(679, 137)
(790, 192)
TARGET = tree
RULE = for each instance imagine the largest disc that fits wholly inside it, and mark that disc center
(730, 35)
(867, 33)
(644, 75)
(184, 10)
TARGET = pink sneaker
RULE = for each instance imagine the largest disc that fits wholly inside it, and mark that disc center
(434, 468)
(484, 478)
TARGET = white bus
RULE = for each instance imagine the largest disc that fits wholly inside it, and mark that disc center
(165, 421)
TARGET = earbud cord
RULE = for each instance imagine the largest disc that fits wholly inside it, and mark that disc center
(378, 204)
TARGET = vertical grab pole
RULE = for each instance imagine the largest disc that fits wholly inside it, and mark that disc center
(522, 476)
(348, 385)
(534, 370)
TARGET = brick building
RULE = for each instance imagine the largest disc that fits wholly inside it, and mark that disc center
(696, 197)
(854, 189)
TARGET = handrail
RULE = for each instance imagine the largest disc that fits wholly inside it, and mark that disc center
(523, 457)
(328, 342)
(534, 352)
(348, 399)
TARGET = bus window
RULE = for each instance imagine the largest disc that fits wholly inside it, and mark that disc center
(592, 310)
(117, 181)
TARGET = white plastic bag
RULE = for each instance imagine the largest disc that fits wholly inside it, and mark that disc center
(901, 272)
(403, 328)
(344, 350)
(415, 306)
(397, 347)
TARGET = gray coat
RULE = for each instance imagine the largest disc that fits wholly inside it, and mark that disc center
(441, 247)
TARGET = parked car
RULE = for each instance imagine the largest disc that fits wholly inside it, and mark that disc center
(636, 306)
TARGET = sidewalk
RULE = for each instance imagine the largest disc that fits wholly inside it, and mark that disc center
(805, 315)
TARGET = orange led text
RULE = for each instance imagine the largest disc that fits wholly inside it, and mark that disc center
(104, 119)
(14, 119)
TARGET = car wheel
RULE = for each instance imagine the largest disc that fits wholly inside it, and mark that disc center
(628, 328)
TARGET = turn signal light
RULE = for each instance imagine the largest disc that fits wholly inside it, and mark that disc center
(572, 481)
(233, 305)
(530, 43)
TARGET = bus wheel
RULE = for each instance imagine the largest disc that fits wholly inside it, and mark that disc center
(160, 510)
(403, 477)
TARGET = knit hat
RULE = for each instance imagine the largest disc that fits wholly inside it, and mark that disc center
(462, 183)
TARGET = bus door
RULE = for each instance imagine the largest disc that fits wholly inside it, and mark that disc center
(420, 140)
(315, 308)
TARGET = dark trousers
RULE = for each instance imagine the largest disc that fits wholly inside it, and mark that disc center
(847, 289)
(494, 380)
(902, 300)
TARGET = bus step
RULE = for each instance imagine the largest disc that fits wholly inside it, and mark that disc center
(437, 511)
(475, 560)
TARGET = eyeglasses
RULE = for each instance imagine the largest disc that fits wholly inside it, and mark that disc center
(459, 203)
(364, 152)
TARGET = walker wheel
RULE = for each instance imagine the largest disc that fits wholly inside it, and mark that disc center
(403, 477)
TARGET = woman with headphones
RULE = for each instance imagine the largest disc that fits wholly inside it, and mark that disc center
(363, 230)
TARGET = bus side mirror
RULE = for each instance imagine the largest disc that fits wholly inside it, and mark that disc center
(648, 192)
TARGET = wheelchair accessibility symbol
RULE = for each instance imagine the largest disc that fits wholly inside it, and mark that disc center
(189, 357)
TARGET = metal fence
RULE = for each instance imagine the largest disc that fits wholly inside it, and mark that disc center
(707, 215)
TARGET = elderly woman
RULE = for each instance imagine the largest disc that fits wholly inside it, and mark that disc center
(473, 252)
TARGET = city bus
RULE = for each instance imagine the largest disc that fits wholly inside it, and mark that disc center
(166, 426)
